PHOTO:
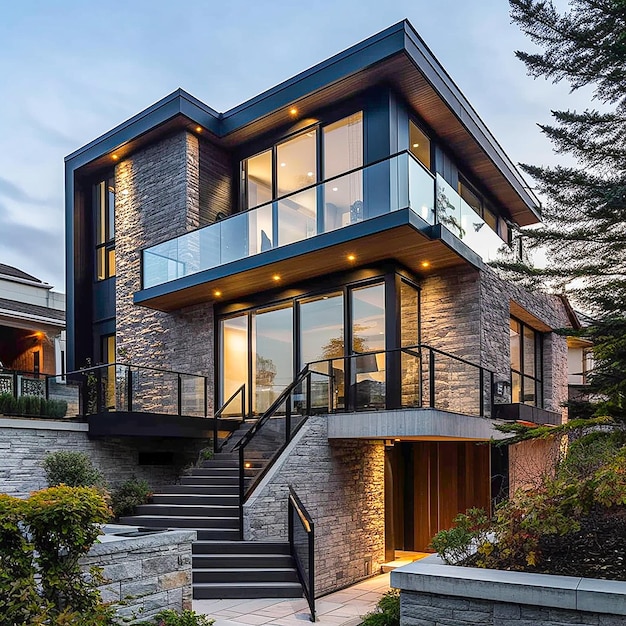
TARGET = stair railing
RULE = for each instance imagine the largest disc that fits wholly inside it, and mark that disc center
(301, 532)
(282, 420)
(239, 417)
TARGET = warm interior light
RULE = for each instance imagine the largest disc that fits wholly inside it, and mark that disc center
(335, 188)
(283, 164)
(425, 264)
(39, 334)
(217, 293)
(351, 257)
(115, 157)
(247, 464)
(293, 111)
(276, 277)
(198, 129)
(309, 174)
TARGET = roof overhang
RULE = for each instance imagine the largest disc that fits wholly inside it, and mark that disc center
(396, 56)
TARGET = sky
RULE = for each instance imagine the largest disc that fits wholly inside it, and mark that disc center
(70, 70)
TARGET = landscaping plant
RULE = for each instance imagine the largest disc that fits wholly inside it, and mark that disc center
(74, 469)
(129, 495)
(387, 612)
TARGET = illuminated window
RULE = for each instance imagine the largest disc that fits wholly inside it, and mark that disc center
(526, 365)
(419, 145)
(104, 209)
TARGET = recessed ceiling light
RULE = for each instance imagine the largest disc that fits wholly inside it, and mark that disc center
(217, 293)
(114, 157)
(198, 129)
(416, 145)
(425, 264)
(276, 277)
(351, 257)
(293, 111)
(335, 188)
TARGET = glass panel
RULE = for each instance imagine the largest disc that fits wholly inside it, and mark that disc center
(419, 145)
(410, 378)
(529, 391)
(515, 330)
(529, 352)
(234, 244)
(297, 163)
(470, 197)
(409, 303)
(111, 255)
(100, 210)
(272, 349)
(260, 229)
(321, 328)
(234, 355)
(111, 209)
(297, 217)
(343, 201)
(421, 197)
(101, 263)
(343, 145)
(368, 335)
(259, 179)
(516, 387)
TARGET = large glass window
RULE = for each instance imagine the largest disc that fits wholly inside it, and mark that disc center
(419, 145)
(526, 374)
(258, 175)
(272, 345)
(104, 209)
(321, 328)
(297, 163)
(234, 355)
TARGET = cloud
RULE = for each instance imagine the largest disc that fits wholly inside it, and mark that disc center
(17, 194)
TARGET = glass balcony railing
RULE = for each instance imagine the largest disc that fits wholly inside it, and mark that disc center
(368, 192)
(463, 222)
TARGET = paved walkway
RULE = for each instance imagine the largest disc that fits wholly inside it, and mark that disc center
(344, 607)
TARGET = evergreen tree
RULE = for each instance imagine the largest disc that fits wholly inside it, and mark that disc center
(584, 213)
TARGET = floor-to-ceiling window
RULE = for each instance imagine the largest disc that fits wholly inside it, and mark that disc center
(234, 359)
(526, 366)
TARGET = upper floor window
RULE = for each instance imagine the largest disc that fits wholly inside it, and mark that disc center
(419, 145)
(526, 365)
(296, 163)
(104, 208)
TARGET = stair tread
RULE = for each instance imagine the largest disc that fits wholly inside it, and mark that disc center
(283, 584)
(224, 570)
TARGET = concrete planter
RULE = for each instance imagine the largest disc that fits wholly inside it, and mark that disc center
(435, 594)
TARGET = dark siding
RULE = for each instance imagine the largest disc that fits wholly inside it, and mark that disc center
(216, 182)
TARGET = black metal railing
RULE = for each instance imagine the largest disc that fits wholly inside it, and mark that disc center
(301, 532)
(231, 410)
(119, 387)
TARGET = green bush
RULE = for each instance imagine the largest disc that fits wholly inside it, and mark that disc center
(74, 469)
(168, 617)
(459, 542)
(128, 495)
(32, 406)
(42, 539)
(387, 612)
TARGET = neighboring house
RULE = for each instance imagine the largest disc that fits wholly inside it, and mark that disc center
(342, 219)
(32, 324)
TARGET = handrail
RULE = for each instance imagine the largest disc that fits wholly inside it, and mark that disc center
(218, 447)
(130, 365)
(307, 579)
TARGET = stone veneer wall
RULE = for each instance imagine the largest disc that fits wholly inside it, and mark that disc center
(158, 198)
(466, 312)
(429, 609)
(148, 574)
(342, 486)
(25, 443)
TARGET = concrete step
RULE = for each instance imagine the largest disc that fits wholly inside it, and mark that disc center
(202, 591)
(245, 574)
(239, 547)
(188, 510)
(195, 522)
(198, 488)
(210, 480)
(204, 499)
(243, 559)
(212, 471)
(219, 534)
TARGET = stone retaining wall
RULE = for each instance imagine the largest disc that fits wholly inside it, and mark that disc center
(147, 574)
(24, 444)
(433, 594)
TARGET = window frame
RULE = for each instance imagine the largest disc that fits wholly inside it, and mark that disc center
(106, 218)
(538, 376)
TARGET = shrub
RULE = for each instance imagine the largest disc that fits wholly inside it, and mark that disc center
(32, 406)
(74, 469)
(54, 408)
(387, 612)
(8, 404)
(128, 495)
(461, 541)
(168, 617)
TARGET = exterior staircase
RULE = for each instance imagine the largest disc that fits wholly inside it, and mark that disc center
(207, 501)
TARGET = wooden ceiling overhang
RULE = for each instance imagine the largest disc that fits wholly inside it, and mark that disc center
(396, 57)
(400, 236)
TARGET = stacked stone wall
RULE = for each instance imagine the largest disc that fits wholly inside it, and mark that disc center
(341, 484)
(25, 443)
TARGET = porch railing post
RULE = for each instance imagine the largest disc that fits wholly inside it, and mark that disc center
(288, 419)
(431, 365)
(481, 385)
(180, 395)
(129, 388)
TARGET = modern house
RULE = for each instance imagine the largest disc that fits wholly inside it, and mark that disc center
(32, 331)
(319, 254)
